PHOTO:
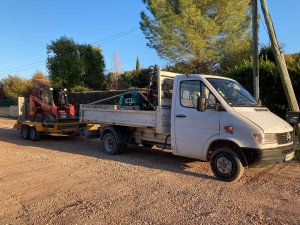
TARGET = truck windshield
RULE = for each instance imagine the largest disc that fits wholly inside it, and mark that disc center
(233, 93)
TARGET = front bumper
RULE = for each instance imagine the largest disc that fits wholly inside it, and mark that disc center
(260, 157)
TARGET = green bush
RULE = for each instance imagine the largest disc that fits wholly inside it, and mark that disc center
(271, 89)
(80, 88)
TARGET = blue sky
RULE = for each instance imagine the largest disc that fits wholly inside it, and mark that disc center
(27, 26)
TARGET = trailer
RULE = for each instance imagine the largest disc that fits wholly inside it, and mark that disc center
(205, 117)
(35, 130)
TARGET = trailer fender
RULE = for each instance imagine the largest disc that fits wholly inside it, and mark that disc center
(118, 131)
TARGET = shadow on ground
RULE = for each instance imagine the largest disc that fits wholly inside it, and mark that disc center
(138, 156)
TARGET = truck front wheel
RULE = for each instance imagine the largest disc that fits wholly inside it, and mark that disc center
(226, 164)
(110, 145)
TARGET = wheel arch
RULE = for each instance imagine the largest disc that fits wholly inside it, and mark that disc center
(118, 131)
(229, 144)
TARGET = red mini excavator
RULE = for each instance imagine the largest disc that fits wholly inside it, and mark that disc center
(51, 106)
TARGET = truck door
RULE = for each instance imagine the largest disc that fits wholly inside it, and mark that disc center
(193, 128)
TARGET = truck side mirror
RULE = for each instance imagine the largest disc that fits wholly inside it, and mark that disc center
(201, 104)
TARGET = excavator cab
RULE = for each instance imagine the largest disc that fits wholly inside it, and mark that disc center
(60, 99)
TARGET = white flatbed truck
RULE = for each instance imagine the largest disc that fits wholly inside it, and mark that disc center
(210, 118)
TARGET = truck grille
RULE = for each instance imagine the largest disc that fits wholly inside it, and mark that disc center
(285, 138)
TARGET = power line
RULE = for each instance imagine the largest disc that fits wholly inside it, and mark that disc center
(120, 35)
(125, 32)
(18, 67)
(14, 71)
(263, 23)
(264, 26)
(104, 40)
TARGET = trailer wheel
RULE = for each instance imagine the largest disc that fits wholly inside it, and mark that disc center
(25, 132)
(110, 146)
(34, 134)
(226, 164)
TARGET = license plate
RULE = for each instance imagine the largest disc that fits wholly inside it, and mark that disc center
(289, 156)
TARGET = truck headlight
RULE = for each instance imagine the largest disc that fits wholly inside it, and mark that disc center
(265, 138)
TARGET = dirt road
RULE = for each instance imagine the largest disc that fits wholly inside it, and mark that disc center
(67, 180)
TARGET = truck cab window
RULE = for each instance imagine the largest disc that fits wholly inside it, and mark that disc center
(191, 90)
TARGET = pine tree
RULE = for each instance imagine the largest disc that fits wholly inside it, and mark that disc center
(207, 34)
(137, 66)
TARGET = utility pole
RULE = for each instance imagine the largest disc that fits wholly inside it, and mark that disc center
(280, 61)
(255, 63)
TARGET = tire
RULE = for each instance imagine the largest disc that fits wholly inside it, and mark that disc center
(226, 164)
(48, 118)
(110, 146)
(25, 132)
(38, 117)
(34, 134)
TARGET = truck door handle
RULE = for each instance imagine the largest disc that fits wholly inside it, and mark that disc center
(181, 115)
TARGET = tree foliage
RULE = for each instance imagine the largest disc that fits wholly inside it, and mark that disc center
(137, 66)
(39, 75)
(133, 80)
(205, 34)
(93, 66)
(15, 86)
(271, 88)
(80, 88)
(141, 79)
(71, 64)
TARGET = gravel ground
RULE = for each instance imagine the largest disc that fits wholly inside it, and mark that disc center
(67, 180)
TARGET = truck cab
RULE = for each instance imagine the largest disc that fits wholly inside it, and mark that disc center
(215, 119)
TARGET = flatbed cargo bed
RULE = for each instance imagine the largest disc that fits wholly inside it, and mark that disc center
(159, 120)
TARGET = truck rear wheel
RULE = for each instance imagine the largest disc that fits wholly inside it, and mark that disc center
(226, 164)
(110, 146)
(34, 134)
(25, 131)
